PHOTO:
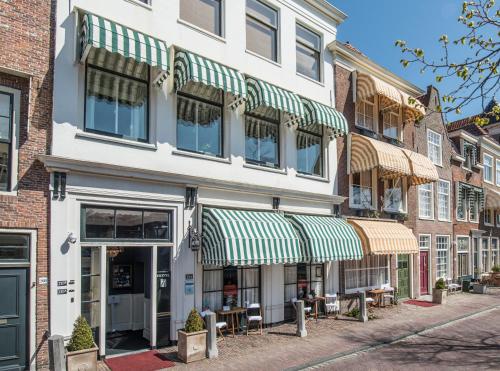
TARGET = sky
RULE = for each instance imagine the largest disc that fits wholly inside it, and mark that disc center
(373, 26)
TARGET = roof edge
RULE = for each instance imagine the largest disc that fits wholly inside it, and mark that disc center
(328, 9)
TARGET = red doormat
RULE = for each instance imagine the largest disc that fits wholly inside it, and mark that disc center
(420, 303)
(146, 361)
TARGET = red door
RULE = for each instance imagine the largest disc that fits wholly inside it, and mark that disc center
(424, 272)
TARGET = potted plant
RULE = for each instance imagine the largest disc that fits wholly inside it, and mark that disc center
(81, 351)
(192, 341)
(480, 287)
(495, 275)
(439, 293)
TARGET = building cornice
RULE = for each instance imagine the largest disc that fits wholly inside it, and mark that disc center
(70, 165)
(365, 64)
(463, 135)
(487, 143)
(328, 9)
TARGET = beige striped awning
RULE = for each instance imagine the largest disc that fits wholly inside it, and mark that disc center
(368, 154)
(384, 237)
(422, 169)
(369, 86)
(412, 110)
(492, 198)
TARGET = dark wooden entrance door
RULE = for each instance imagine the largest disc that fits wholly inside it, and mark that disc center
(424, 272)
(403, 276)
(13, 320)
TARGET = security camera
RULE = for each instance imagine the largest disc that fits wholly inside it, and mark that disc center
(72, 238)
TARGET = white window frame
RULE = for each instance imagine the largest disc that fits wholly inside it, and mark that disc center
(431, 217)
(278, 33)
(373, 104)
(320, 51)
(497, 171)
(387, 266)
(491, 167)
(447, 275)
(497, 217)
(199, 29)
(440, 147)
(491, 213)
(448, 218)
(476, 212)
(496, 250)
(374, 193)
(402, 185)
(466, 207)
(469, 253)
(429, 239)
(14, 140)
(388, 115)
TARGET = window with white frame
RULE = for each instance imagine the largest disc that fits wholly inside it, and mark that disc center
(426, 201)
(365, 116)
(360, 193)
(463, 256)
(308, 53)
(434, 147)
(473, 201)
(497, 167)
(443, 256)
(489, 216)
(485, 254)
(470, 154)
(262, 29)
(309, 153)
(443, 200)
(6, 128)
(205, 14)
(394, 195)
(495, 258)
(424, 241)
(391, 124)
(461, 203)
(370, 272)
(488, 168)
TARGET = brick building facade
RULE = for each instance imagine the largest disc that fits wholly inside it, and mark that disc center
(26, 70)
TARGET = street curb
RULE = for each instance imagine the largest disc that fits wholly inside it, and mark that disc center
(383, 343)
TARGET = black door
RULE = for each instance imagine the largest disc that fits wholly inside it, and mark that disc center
(13, 321)
(163, 297)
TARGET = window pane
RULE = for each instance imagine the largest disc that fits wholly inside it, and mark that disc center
(261, 39)
(4, 166)
(308, 62)
(91, 263)
(262, 12)
(99, 223)
(5, 128)
(309, 154)
(205, 14)
(128, 224)
(91, 311)
(261, 142)
(116, 105)
(156, 225)
(14, 247)
(5, 104)
(308, 38)
(186, 124)
(209, 129)
(230, 286)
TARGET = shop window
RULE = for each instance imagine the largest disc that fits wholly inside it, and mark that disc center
(262, 143)
(463, 256)
(128, 224)
(308, 53)
(206, 14)
(365, 113)
(14, 248)
(368, 273)
(199, 124)
(360, 192)
(443, 256)
(262, 29)
(309, 153)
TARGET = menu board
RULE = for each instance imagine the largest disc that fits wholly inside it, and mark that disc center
(121, 276)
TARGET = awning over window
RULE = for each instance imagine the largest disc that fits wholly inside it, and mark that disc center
(492, 199)
(98, 32)
(264, 94)
(369, 86)
(368, 153)
(384, 237)
(422, 169)
(413, 109)
(235, 237)
(325, 238)
(190, 67)
(468, 192)
(320, 114)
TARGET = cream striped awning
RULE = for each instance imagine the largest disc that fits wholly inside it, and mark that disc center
(384, 237)
(412, 110)
(236, 237)
(192, 67)
(264, 94)
(368, 86)
(320, 114)
(368, 154)
(101, 33)
(422, 169)
(492, 199)
(325, 238)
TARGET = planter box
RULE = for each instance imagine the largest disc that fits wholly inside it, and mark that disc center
(82, 360)
(480, 289)
(439, 296)
(192, 346)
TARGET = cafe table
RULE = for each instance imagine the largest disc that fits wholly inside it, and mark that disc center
(379, 296)
(231, 316)
(315, 301)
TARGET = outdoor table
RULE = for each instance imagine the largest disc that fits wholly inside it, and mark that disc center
(233, 315)
(379, 295)
(315, 301)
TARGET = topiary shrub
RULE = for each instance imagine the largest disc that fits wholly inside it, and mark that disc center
(440, 285)
(81, 338)
(194, 322)
(495, 269)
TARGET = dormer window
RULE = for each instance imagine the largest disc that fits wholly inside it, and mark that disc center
(470, 154)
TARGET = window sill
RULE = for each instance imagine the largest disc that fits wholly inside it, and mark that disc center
(141, 4)
(277, 64)
(361, 207)
(395, 211)
(106, 139)
(367, 132)
(201, 30)
(264, 168)
(426, 218)
(489, 224)
(313, 177)
(320, 83)
(489, 182)
(8, 193)
(200, 156)
(444, 220)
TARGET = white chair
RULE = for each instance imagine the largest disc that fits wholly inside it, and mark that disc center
(254, 315)
(452, 287)
(389, 293)
(218, 325)
(370, 301)
(331, 304)
(307, 310)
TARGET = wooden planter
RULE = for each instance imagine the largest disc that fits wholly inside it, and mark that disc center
(192, 346)
(480, 289)
(82, 360)
(439, 296)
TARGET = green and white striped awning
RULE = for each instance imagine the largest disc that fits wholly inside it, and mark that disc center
(320, 114)
(235, 237)
(468, 192)
(325, 238)
(264, 94)
(192, 67)
(98, 32)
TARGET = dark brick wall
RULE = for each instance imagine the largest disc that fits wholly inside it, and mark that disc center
(26, 45)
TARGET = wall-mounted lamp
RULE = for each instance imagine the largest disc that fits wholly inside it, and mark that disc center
(72, 238)
(194, 238)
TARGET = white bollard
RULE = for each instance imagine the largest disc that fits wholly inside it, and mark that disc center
(212, 351)
(301, 319)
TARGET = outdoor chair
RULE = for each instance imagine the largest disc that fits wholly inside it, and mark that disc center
(307, 310)
(331, 304)
(389, 294)
(219, 326)
(254, 315)
(452, 287)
